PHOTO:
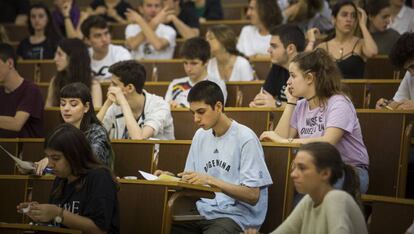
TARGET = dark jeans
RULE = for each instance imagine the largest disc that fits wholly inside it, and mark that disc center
(212, 226)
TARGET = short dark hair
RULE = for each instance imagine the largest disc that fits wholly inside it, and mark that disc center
(196, 48)
(403, 50)
(94, 21)
(375, 6)
(7, 52)
(206, 91)
(289, 34)
(130, 72)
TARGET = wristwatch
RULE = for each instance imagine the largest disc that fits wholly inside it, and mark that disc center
(59, 218)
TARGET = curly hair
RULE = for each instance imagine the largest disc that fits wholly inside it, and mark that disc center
(403, 50)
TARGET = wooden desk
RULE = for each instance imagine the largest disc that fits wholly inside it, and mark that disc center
(10, 228)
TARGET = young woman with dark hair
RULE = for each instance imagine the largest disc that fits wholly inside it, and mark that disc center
(315, 169)
(349, 51)
(84, 193)
(254, 39)
(228, 63)
(43, 39)
(73, 65)
(76, 108)
(324, 113)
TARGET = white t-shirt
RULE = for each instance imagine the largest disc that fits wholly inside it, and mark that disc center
(156, 114)
(115, 54)
(146, 50)
(179, 89)
(338, 213)
(251, 42)
(406, 89)
(404, 21)
(242, 70)
(237, 158)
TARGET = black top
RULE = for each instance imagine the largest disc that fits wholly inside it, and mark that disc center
(188, 15)
(351, 65)
(275, 83)
(43, 50)
(211, 11)
(120, 8)
(96, 198)
(11, 8)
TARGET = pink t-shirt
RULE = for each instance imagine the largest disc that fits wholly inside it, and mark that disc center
(339, 113)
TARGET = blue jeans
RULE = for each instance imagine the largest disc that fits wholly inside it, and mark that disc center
(362, 173)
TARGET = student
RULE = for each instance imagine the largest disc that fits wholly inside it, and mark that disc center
(227, 155)
(254, 39)
(182, 16)
(324, 114)
(21, 103)
(379, 14)
(76, 108)
(286, 42)
(349, 51)
(111, 10)
(402, 17)
(147, 37)
(44, 37)
(324, 210)
(103, 54)
(208, 10)
(196, 53)
(402, 55)
(130, 112)
(227, 63)
(68, 18)
(73, 65)
(84, 192)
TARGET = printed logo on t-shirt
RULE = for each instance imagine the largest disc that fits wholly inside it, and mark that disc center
(313, 125)
(102, 72)
(73, 207)
(217, 163)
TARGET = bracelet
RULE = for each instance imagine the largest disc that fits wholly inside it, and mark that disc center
(291, 103)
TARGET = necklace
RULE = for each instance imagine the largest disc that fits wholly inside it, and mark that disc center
(341, 52)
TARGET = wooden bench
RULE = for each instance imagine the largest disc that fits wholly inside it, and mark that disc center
(380, 67)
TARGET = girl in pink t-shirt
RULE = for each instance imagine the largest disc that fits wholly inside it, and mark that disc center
(324, 114)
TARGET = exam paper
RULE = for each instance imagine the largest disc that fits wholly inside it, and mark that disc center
(23, 164)
(164, 177)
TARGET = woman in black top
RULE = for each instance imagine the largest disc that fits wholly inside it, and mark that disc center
(84, 193)
(43, 39)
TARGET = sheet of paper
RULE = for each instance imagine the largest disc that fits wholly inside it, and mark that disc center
(148, 176)
(23, 164)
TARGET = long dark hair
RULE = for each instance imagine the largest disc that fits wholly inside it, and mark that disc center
(269, 13)
(79, 90)
(77, 151)
(326, 156)
(78, 69)
(51, 32)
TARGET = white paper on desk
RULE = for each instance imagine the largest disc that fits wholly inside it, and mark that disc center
(23, 164)
(148, 176)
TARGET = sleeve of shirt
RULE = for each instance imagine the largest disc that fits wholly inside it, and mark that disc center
(123, 54)
(242, 42)
(403, 91)
(99, 143)
(168, 94)
(294, 118)
(109, 118)
(132, 30)
(31, 102)
(270, 84)
(245, 71)
(159, 116)
(293, 223)
(253, 169)
(170, 34)
(102, 200)
(341, 115)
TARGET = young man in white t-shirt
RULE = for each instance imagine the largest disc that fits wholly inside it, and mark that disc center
(196, 53)
(103, 54)
(130, 112)
(227, 155)
(147, 37)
